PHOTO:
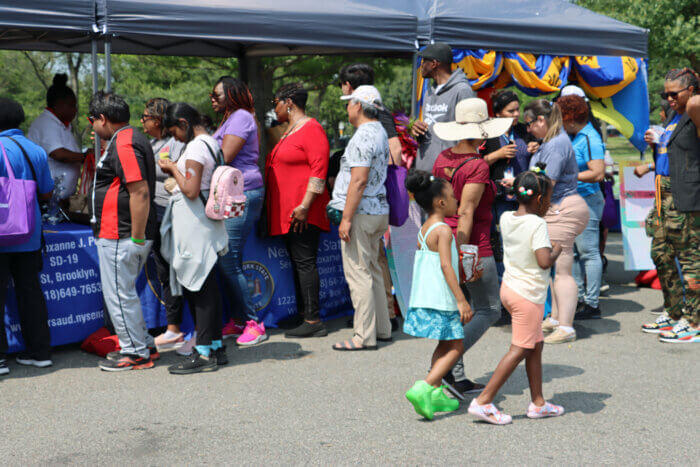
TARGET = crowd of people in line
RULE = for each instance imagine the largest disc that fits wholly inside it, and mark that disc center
(524, 193)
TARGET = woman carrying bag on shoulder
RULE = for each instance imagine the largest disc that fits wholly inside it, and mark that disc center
(188, 233)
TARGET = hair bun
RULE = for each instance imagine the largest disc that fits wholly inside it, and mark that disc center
(418, 180)
(60, 80)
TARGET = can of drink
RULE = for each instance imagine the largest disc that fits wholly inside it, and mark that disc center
(470, 258)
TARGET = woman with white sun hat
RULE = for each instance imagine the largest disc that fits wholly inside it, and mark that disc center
(466, 170)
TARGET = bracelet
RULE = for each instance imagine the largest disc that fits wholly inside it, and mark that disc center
(140, 241)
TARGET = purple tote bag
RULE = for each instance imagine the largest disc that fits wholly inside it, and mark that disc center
(17, 205)
(396, 194)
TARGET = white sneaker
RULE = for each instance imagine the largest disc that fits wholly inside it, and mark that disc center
(28, 361)
(186, 349)
(4, 370)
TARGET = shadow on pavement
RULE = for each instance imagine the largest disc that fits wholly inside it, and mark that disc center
(579, 401)
(518, 384)
(612, 306)
(63, 357)
(590, 327)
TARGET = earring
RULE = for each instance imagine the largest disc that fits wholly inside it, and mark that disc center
(289, 110)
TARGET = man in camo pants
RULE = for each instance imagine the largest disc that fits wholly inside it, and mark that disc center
(674, 235)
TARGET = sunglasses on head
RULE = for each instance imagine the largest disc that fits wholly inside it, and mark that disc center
(672, 94)
(91, 119)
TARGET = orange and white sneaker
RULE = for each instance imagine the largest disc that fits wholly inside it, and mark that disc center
(127, 362)
(547, 410)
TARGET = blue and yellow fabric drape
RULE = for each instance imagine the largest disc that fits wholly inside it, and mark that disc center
(616, 86)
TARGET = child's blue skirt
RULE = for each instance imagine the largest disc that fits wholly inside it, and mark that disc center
(433, 324)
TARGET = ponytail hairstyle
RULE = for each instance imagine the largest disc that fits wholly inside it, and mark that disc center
(181, 110)
(425, 188)
(687, 77)
(157, 107)
(58, 90)
(528, 185)
(237, 96)
(550, 111)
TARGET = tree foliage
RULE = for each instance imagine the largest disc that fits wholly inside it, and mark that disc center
(673, 32)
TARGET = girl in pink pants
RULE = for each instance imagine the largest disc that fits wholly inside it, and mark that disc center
(528, 256)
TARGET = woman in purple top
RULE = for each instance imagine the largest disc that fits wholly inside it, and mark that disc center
(238, 137)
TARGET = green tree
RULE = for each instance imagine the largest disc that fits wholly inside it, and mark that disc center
(673, 33)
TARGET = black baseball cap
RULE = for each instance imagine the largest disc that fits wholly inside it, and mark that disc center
(439, 51)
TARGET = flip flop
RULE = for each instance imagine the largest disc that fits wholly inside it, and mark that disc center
(349, 346)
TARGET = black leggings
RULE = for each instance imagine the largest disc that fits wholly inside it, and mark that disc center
(206, 309)
(303, 250)
(24, 268)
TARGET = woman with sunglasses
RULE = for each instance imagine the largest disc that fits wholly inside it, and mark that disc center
(238, 137)
(567, 216)
(674, 221)
(295, 173)
(165, 147)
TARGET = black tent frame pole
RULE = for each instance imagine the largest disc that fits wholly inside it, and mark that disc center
(95, 84)
(108, 63)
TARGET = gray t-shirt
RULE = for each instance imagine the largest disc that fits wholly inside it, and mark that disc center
(167, 148)
(559, 155)
(368, 147)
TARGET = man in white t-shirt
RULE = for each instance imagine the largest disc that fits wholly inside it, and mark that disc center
(52, 131)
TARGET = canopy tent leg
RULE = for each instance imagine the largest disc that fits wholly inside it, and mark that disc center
(108, 64)
(95, 85)
(414, 84)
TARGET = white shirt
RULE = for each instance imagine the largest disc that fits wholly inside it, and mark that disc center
(197, 150)
(50, 133)
(522, 236)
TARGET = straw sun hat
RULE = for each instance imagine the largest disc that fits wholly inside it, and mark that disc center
(472, 122)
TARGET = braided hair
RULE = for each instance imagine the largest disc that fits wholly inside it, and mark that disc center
(687, 77)
(535, 182)
(294, 92)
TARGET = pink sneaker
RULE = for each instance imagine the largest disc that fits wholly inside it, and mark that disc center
(254, 333)
(484, 412)
(232, 330)
(547, 410)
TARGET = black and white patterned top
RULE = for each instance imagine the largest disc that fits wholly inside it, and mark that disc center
(368, 147)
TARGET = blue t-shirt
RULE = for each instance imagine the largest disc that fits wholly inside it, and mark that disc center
(662, 148)
(586, 149)
(558, 154)
(21, 170)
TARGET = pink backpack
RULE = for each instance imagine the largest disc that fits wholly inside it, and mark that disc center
(226, 198)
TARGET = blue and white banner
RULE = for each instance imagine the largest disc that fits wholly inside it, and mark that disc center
(71, 285)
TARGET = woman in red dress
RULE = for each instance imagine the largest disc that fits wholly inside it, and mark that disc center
(296, 201)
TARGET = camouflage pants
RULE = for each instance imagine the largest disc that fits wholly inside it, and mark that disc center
(674, 235)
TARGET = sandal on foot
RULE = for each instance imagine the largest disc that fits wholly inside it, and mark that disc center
(350, 345)
(547, 410)
(486, 412)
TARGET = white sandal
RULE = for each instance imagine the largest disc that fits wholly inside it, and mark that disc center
(547, 410)
(485, 412)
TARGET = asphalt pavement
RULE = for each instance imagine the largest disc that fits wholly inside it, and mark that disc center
(629, 400)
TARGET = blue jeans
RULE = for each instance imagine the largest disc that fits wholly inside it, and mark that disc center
(231, 266)
(587, 248)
